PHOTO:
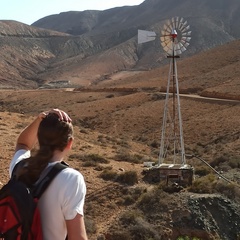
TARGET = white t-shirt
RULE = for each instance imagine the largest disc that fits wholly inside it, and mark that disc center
(62, 200)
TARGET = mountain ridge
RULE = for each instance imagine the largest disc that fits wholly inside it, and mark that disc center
(103, 43)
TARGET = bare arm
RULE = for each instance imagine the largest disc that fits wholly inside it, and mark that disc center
(28, 137)
(76, 228)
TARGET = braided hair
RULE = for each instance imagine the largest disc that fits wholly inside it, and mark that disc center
(53, 134)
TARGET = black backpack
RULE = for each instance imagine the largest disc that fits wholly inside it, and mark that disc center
(19, 214)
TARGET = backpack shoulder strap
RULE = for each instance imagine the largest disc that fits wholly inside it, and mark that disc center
(42, 185)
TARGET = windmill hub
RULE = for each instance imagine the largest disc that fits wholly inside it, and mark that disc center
(174, 34)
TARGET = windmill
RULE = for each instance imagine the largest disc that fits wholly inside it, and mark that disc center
(175, 38)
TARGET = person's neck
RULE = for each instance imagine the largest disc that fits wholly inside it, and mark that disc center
(57, 156)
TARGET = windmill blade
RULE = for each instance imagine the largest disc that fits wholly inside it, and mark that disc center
(170, 51)
(186, 39)
(168, 39)
(163, 32)
(145, 36)
(185, 44)
(186, 33)
(168, 23)
(183, 26)
(168, 42)
(167, 29)
(182, 47)
(168, 47)
(165, 39)
(181, 20)
(178, 52)
(162, 39)
(170, 28)
(177, 22)
(186, 28)
(180, 23)
(173, 23)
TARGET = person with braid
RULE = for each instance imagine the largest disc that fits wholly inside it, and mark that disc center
(61, 205)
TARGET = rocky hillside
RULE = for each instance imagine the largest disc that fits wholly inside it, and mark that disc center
(89, 46)
(212, 23)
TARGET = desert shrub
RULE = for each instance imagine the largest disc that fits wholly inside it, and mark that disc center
(232, 191)
(102, 168)
(20, 126)
(154, 201)
(130, 217)
(142, 138)
(157, 96)
(127, 157)
(128, 200)
(75, 155)
(83, 131)
(110, 96)
(202, 170)
(234, 163)
(119, 235)
(187, 238)
(154, 144)
(93, 160)
(128, 177)
(203, 184)
(96, 158)
(143, 231)
(90, 164)
(89, 160)
(217, 161)
(108, 175)
(90, 225)
(131, 195)
(139, 229)
(122, 143)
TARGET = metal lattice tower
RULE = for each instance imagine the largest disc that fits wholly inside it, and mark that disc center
(175, 38)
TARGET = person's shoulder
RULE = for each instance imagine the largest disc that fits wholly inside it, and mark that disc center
(70, 173)
(22, 153)
(18, 156)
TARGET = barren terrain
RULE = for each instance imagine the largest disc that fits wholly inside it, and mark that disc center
(113, 90)
(117, 124)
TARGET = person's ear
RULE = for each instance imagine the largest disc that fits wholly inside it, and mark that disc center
(70, 142)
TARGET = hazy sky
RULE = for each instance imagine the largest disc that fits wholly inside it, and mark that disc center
(29, 11)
